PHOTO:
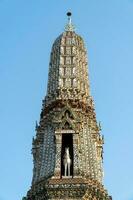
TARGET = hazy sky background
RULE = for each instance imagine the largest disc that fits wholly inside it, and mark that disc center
(27, 30)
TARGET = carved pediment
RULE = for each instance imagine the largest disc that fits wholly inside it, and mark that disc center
(67, 125)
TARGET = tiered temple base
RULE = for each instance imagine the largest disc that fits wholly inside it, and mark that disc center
(69, 189)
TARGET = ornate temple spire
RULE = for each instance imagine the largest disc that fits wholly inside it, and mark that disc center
(68, 147)
(69, 26)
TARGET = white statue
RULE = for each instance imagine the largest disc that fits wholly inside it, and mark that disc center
(67, 161)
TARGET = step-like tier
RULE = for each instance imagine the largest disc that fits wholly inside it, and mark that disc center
(69, 189)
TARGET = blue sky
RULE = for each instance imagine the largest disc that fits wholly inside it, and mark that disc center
(27, 31)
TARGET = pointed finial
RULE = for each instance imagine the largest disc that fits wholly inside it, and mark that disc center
(36, 127)
(99, 125)
(69, 26)
(69, 14)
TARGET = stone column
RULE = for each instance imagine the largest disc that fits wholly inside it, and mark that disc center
(75, 156)
(57, 172)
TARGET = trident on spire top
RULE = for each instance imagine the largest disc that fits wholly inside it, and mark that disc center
(69, 14)
(69, 26)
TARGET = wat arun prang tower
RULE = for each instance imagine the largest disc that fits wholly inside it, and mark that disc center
(68, 148)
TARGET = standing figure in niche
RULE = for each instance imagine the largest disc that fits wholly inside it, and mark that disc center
(67, 162)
